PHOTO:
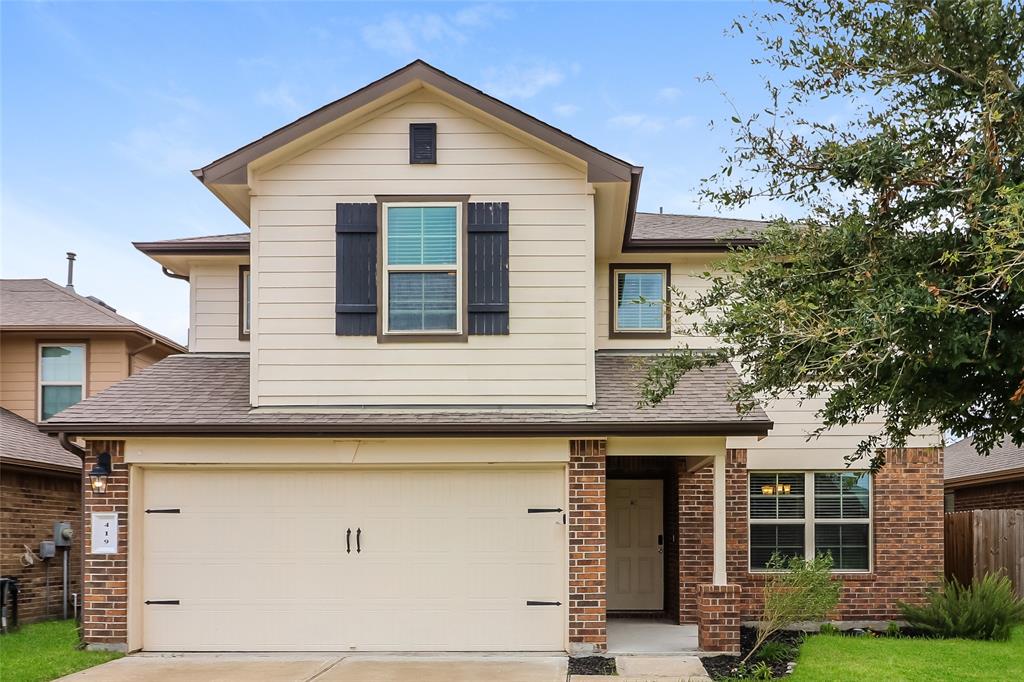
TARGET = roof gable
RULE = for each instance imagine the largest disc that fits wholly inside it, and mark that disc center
(228, 174)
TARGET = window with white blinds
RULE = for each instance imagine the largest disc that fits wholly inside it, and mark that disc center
(422, 268)
(639, 297)
(807, 513)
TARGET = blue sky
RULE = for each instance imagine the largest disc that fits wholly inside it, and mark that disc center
(106, 107)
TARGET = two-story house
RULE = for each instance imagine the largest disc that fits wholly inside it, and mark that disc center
(56, 348)
(408, 420)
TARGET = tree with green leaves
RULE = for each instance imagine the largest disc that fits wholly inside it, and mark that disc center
(897, 288)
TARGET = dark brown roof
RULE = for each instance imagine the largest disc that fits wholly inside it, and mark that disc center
(21, 442)
(214, 243)
(671, 231)
(198, 393)
(41, 304)
(962, 461)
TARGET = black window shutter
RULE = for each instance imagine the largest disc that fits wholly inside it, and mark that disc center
(356, 270)
(422, 143)
(487, 268)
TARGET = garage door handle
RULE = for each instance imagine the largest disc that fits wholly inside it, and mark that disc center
(172, 602)
(359, 532)
(348, 541)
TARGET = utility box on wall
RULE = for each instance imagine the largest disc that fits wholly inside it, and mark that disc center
(62, 534)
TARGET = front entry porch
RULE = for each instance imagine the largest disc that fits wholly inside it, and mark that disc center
(642, 636)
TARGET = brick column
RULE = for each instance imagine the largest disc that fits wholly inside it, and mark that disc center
(587, 547)
(105, 588)
(718, 618)
(696, 549)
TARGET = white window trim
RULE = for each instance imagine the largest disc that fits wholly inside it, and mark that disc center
(457, 268)
(247, 301)
(40, 383)
(810, 520)
(615, 300)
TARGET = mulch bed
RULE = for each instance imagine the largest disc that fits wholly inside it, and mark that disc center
(592, 665)
(721, 667)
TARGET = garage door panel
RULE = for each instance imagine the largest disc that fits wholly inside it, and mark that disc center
(449, 559)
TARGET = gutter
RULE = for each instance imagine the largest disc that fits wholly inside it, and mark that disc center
(300, 430)
(73, 448)
(174, 275)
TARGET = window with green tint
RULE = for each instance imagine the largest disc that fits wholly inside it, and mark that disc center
(61, 377)
(425, 235)
(640, 301)
(422, 273)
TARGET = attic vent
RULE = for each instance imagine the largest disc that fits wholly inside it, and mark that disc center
(102, 303)
(422, 143)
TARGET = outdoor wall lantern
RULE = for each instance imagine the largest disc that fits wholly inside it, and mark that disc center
(100, 472)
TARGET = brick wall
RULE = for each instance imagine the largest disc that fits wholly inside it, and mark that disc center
(30, 503)
(696, 544)
(105, 606)
(587, 546)
(718, 618)
(1008, 495)
(908, 537)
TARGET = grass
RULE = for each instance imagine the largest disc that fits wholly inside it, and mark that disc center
(46, 651)
(832, 658)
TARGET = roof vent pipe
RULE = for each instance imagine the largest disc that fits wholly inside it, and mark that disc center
(71, 270)
(661, 209)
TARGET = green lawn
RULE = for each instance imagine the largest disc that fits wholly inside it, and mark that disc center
(832, 658)
(45, 651)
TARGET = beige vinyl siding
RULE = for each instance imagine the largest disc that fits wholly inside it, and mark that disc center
(145, 358)
(544, 360)
(106, 364)
(213, 327)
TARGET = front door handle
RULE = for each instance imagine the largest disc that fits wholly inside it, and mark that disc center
(348, 541)
(359, 532)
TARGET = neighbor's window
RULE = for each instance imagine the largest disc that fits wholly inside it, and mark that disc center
(61, 377)
(803, 514)
(640, 295)
(422, 291)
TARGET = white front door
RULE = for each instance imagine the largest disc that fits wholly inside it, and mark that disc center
(442, 559)
(636, 557)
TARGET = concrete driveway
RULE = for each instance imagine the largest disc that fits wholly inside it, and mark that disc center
(326, 668)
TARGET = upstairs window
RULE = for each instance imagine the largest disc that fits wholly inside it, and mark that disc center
(639, 296)
(803, 514)
(422, 276)
(244, 302)
(61, 377)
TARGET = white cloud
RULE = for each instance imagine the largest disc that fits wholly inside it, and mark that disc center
(644, 123)
(521, 81)
(668, 94)
(685, 121)
(406, 34)
(481, 15)
(566, 110)
(280, 97)
(164, 148)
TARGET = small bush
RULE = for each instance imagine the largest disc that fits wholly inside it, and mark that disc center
(894, 630)
(774, 652)
(986, 609)
(762, 671)
(828, 629)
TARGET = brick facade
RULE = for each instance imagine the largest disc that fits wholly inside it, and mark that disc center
(718, 618)
(588, 559)
(105, 604)
(31, 501)
(908, 537)
(1005, 495)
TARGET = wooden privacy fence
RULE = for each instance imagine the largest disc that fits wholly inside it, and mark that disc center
(985, 541)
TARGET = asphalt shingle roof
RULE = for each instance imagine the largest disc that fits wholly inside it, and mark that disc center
(962, 460)
(22, 442)
(195, 392)
(675, 227)
(39, 304)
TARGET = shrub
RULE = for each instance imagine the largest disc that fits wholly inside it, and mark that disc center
(762, 671)
(828, 629)
(986, 609)
(894, 630)
(774, 652)
(795, 590)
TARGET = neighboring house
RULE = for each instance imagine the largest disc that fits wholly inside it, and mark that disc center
(56, 347)
(408, 416)
(977, 482)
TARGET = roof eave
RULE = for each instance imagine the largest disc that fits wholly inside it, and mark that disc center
(990, 477)
(405, 430)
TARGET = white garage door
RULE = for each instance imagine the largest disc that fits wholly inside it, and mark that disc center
(371, 560)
